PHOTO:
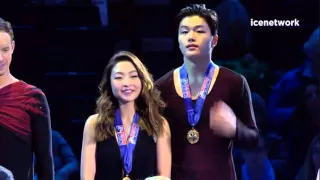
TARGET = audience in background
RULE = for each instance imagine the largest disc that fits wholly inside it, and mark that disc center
(65, 162)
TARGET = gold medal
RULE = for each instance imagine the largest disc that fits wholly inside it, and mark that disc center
(126, 178)
(193, 136)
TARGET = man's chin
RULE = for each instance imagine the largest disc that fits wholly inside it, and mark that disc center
(193, 57)
(192, 54)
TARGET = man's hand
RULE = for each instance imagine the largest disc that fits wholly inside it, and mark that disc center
(223, 121)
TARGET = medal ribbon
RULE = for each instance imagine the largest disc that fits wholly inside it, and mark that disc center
(194, 113)
(126, 145)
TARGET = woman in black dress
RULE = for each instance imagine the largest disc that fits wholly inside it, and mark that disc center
(128, 138)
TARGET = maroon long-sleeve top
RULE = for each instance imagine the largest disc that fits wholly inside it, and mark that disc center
(211, 157)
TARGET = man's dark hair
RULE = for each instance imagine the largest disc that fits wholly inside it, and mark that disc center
(6, 27)
(209, 15)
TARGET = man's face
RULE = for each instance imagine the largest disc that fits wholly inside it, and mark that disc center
(6, 51)
(195, 38)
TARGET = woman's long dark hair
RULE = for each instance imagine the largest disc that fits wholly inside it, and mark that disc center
(149, 104)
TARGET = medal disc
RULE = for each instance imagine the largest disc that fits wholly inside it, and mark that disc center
(193, 136)
(126, 178)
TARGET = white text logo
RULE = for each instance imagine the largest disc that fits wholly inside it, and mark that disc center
(274, 22)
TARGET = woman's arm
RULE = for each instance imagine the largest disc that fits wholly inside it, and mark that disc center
(164, 151)
(88, 162)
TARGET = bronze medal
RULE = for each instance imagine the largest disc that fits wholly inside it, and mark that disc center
(193, 136)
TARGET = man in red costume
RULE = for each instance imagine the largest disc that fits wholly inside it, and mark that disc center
(25, 127)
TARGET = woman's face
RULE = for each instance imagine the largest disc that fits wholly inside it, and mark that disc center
(316, 155)
(125, 82)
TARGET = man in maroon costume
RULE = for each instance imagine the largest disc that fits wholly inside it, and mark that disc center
(208, 107)
(24, 119)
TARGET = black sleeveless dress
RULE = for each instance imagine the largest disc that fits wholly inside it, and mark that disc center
(109, 164)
